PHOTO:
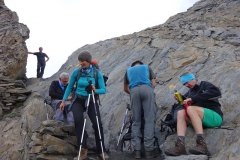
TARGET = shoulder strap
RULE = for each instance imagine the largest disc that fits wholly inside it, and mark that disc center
(78, 76)
(95, 75)
(96, 69)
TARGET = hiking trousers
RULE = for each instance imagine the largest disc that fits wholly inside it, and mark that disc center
(143, 103)
(78, 108)
(59, 115)
(40, 69)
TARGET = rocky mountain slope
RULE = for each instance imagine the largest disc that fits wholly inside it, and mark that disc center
(204, 40)
(13, 48)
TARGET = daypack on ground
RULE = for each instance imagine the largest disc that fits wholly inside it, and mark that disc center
(169, 123)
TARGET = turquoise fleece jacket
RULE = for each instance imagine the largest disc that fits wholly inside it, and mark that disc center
(83, 82)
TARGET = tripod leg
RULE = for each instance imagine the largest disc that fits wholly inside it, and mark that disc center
(85, 118)
(98, 125)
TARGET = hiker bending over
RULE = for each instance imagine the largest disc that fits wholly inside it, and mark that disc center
(41, 62)
(80, 101)
(56, 92)
(139, 82)
(204, 110)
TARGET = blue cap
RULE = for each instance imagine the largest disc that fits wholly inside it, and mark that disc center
(186, 78)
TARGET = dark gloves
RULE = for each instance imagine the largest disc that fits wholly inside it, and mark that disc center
(88, 89)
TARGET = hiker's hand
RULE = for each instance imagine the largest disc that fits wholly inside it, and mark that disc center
(175, 97)
(88, 89)
(61, 107)
(69, 98)
(93, 88)
(187, 101)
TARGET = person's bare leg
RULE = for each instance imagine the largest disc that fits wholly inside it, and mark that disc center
(179, 148)
(196, 115)
(182, 121)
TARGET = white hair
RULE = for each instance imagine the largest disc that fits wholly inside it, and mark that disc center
(64, 75)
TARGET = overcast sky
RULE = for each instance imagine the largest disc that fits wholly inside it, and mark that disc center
(63, 26)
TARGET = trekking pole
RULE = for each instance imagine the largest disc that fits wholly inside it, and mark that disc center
(85, 118)
(98, 124)
(123, 123)
(130, 121)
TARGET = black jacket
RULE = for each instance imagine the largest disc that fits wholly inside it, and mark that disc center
(205, 94)
(55, 91)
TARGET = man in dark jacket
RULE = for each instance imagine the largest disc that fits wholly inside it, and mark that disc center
(56, 91)
(41, 61)
(202, 109)
(139, 82)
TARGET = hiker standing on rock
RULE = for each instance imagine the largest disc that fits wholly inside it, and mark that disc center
(80, 100)
(203, 110)
(139, 82)
(41, 61)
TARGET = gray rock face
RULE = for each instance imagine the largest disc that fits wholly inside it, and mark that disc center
(203, 40)
(13, 94)
(13, 50)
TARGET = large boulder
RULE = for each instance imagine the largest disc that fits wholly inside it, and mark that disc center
(13, 48)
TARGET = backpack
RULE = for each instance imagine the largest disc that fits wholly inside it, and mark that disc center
(126, 139)
(95, 64)
(169, 123)
(95, 74)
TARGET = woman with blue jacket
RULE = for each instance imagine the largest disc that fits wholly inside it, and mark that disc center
(86, 80)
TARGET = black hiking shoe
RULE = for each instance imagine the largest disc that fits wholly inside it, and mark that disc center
(200, 148)
(137, 154)
(156, 152)
(150, 154)
(178, 150)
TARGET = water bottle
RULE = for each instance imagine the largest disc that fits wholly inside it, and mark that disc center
(179, 97)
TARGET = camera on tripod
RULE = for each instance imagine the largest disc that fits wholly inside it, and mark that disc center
(88, 89)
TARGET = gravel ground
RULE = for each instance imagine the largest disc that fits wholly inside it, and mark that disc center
(119, 156)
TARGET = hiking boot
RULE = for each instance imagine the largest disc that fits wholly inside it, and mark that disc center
(156, 152)
(83, 154)
(105, 156)
(200, 148)
(178, 150)
(137, 154)
(149, 154)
